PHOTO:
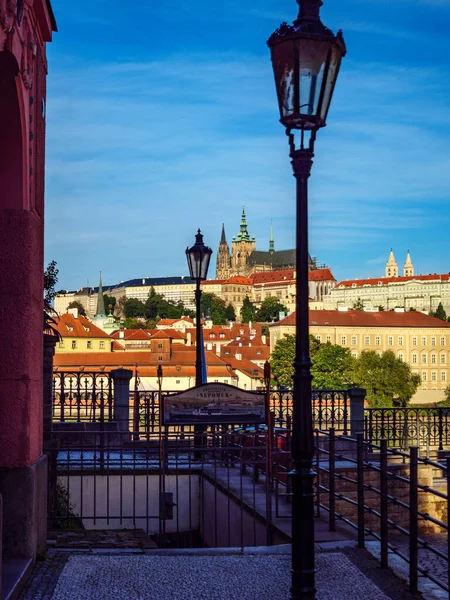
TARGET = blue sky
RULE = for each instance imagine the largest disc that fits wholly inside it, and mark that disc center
(162, 118)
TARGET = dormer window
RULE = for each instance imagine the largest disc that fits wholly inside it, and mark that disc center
(69, 328)
(222, 335)
(212, 335)
(86, 328)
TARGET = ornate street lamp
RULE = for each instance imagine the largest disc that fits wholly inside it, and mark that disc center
(306, 58)
(198, 258)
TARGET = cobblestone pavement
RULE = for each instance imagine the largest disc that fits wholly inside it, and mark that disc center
(45, 575)
(428, 560)
(226, 574)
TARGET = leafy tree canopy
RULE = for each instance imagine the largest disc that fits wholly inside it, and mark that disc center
(358, 305)
(230, 313)
(331, 366)
(270, 310)
(50, 280)
(248, 310)
(330, 363)
(110, 301)
(215, 308)
(134, 308)
(388, 380)
(439, 313)
(76, 304)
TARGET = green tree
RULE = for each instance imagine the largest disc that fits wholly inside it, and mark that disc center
(131, 323)
(110, 303)
(270, 310)
(358, 305)
(388, 380)
(331, 367)
(446, 401)
(281, 361)
(439, 313)
(381, 308)
(230, 313)
(153, 303)
(215, 308)
(331, 364)
(50, 280)
(76, 304)
(248, 310)
(134, 308)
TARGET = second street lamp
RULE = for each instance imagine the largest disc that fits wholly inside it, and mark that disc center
(306, 58)
(198, 258)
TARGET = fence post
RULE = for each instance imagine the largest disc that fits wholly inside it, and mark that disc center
(332, 481)
(360, 486)
(357, 397)
(413, 518)
(384, 531)
(121, 378)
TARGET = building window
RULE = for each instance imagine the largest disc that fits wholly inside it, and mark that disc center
(400, 356)
(102, 345)
(400, 341)
(178, 369)
(354, 340)
(367, 340)
(443, 376)
(424, 375)
(442, 341)
(89, 344)
(344, 340)
(212, 335)
(390, 341)
(160, 358)
(328, 339)
(160, 346)
(225, 380)
(414, 341)
(319, 338)
(377, 341)
(424, 341)
(424, 359)
(433, 341)
(74, 344)
(61, 344)
(178, 382)
(414, 359)
(442, 359)
(222, 335)
(433, 376)
(354, 354)
(433, 359)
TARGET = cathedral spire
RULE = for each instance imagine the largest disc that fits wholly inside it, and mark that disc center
(272, 240)
(243, 235)
(100, 299)
(223, 239)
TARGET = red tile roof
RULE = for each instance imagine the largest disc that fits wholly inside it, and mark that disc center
(387, 280)
(68, 326)
(321, 275)
(132, 334)
(360, 318)
(238, 280)
(268, 276)
(168, 322)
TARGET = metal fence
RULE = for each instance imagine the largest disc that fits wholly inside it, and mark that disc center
(388, 496)
(402, 427)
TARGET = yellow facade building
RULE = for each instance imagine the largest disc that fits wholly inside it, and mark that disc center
(416, 338)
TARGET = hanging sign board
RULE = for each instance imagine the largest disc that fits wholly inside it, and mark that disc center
(214, 404)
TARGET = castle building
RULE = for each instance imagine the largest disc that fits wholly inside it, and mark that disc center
(245, 260)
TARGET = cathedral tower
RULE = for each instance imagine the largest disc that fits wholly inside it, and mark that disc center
(408, 268)
(391, 266)
(271, 241)
(242, 247)
(223, 261)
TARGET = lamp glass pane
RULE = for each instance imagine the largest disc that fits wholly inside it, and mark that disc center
(283, 60)
(205, 263)
(312, 57)
(330, 82)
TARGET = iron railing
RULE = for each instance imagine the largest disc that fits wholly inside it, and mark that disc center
(401, 427)
(82, 396)
(385, 495)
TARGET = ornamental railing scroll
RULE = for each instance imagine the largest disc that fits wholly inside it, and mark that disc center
(428, 428)
(83, 397)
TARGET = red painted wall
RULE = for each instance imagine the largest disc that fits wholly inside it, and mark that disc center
(23, 70)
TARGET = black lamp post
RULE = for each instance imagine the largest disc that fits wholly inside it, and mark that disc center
(306, 58)
(198, 258)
